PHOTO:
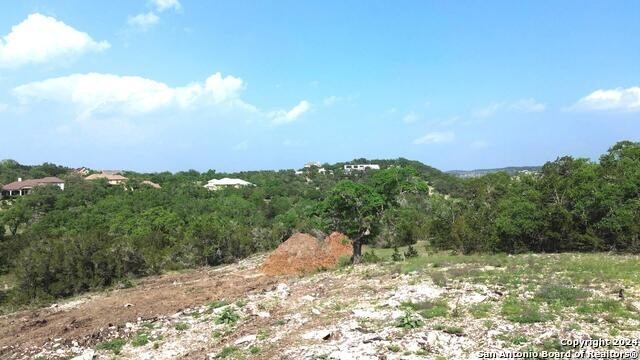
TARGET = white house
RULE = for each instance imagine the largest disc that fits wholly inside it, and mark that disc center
(112, 178)
(215, 184)
(361, 167)
(23, 187)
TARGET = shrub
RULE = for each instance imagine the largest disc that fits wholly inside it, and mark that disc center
(562, 295)
(370, 257)
(522, 312)
(411, 252)
(397, 255)
(181, 326)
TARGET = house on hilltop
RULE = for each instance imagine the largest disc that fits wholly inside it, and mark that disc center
(151, 183)
(360, 167)
(23, 187)
(215, 184)
(112, 178)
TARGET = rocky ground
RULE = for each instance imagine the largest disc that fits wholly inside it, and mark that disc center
(430, 307)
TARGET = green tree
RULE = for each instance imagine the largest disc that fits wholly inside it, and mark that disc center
(354, 209)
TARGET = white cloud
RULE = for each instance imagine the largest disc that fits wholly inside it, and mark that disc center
(527, 105)
(96, 94)
(283, 116)
(618, 99)
(162, 5)
(410, 118)
(522, 106)
(435, 137)
(40, 39)
(144, 21)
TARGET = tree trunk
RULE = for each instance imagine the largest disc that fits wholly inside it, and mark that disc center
(356, 258)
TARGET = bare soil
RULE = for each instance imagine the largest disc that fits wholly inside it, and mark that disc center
(85, 319)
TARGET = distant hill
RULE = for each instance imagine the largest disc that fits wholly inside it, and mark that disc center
(511, 170)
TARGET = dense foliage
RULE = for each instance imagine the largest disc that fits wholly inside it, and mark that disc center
(93, 235)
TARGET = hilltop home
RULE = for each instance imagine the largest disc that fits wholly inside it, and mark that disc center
(215, 184)
(23, 187)
(112, 179)
(361, 167)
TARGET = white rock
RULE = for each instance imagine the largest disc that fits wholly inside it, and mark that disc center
(86, 355)
(245, 339)
(307, 298)
(341, 355)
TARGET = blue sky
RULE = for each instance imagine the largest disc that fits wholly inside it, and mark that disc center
(180, 84)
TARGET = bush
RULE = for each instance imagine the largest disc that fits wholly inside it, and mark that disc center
(370, 257)
(411, 252)
(397, 255)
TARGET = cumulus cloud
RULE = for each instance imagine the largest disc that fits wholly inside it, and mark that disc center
(162, 5)
(435, 137)
(40, 39)
(95, 93)
(529, 105)
(618, 99)
(144, 21)
(284, 117)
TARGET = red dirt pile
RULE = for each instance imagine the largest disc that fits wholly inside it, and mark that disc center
(304, 253)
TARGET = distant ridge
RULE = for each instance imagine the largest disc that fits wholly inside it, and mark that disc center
(511, 170)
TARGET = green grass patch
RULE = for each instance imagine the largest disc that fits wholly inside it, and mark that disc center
(481, 310)
(613, 309)
(524, 312)
(227, 351)
(429, 309)
(217, 304)
(561, 295)
(181, 326)
(114, 345)
(140, 339)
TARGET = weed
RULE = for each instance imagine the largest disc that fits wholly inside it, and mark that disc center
(409, 321)
(140, 339)
(561, 295)
(254, 349)
(227, 316)
(429, 309)
(114, 345)
(393, 348)
(370, 257)
(481, 310)
(522, 312)
(226, 351)
(411, 252)
(217, 304)
(454, 330)
(181, 326)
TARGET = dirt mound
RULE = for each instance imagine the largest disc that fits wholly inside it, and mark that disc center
(304, 253)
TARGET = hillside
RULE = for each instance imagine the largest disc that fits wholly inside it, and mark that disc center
(434, 306)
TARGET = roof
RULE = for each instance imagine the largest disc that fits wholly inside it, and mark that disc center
(30, 183)
(109, 177)
(228, 182)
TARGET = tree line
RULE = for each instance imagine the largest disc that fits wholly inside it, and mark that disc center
(93, 235)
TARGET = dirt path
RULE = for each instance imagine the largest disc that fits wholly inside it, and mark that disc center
(83, 320)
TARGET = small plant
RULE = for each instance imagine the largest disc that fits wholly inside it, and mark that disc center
(394, 348)
(226, 351)
(241, 303)
(410, 321)
(140, 339)
(228, 316)
(254, 349)
(370, 257)
(411, 252)
(522, 312)
(480, 310)
(217, 304)
(344, 261)
(114, 345)
(397, 255)
(156, 345)
(181, 326)
(561, 295)
(430, 309)
(454, 330)
(263, 334)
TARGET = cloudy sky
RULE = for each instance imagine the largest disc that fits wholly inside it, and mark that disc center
(230, 85)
